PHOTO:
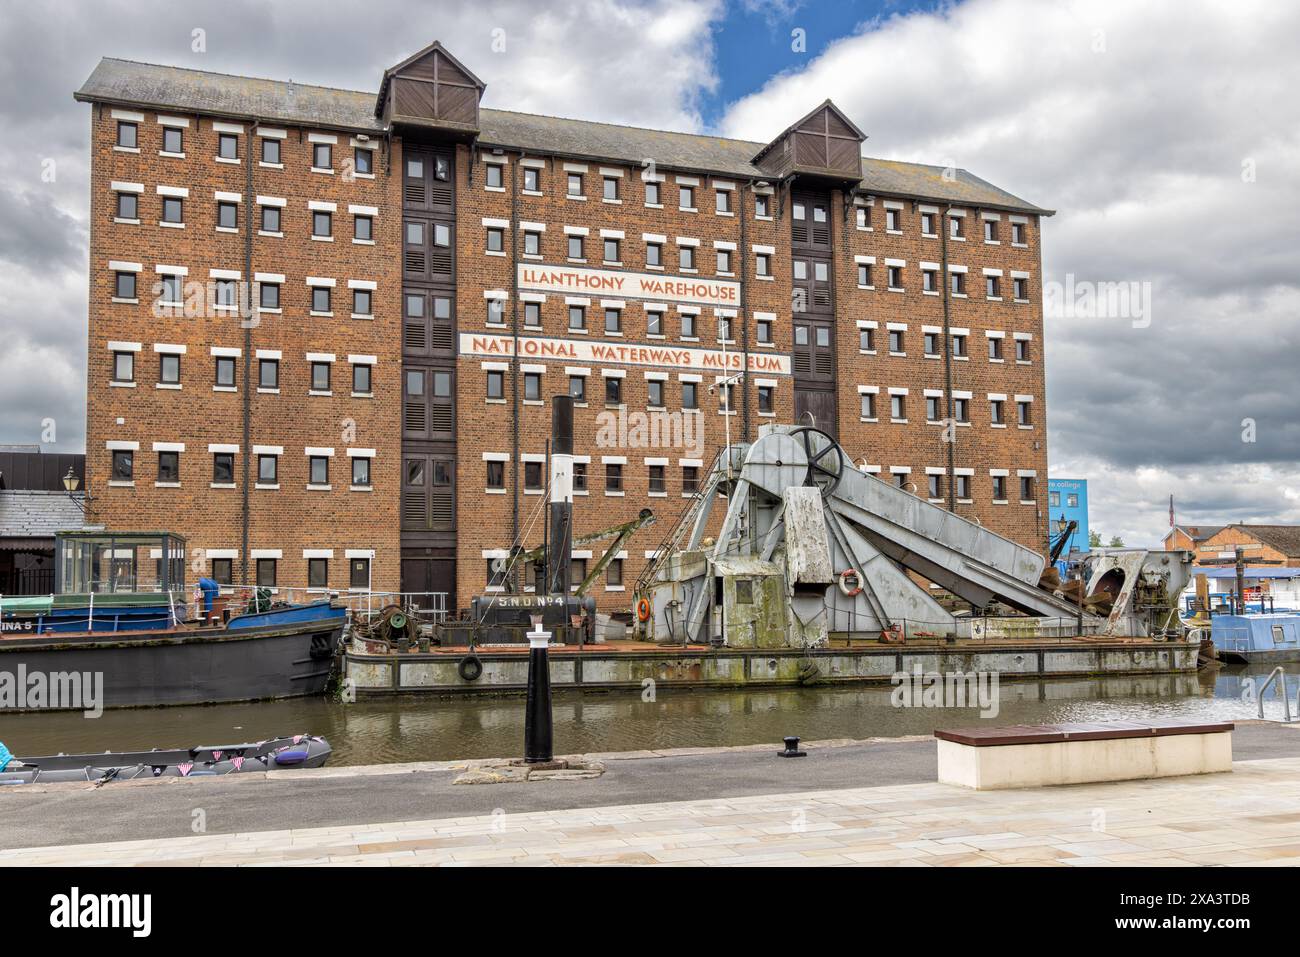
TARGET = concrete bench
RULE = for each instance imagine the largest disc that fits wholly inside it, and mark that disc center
(1025, 756)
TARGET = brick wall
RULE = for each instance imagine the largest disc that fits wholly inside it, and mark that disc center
(290, 518)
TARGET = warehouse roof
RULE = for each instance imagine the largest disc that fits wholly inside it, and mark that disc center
(1283, 538)
(152, 86)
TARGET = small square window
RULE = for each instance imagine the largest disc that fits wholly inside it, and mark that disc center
(613, 390)
(269, 295)
(268, 469)
(320, 298)
(493, 177)
(496, 239)
(169, 368)
(532, 244)
(173, 209)
(361, 302)
(128, 206)
(496, 384)
(320, 376)
(270, 219)
(317, 572)
(532, 181)
(227, 215)
(364, 160)
(360, 470)
(322, 156)
(363, 228)
(268, 373)
(652, 193)
(578, 388)
(322, 223)
(271, 151)
(496, 474)
(318, 470)
(266, 572)
(173, 139)
(361, 379)
(225, 371)
(610, 188)
(128, 135)
(223, 468)
(169, 466)
(228, 146)
(575, 184)
(686, 197)
(123, 366)
(124, 285)
(123, 466)
(575, 247)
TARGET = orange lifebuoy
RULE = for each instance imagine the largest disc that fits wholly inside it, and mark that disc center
(643, 608)
(850, 591)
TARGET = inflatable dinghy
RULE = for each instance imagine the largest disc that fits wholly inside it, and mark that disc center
(277, 754)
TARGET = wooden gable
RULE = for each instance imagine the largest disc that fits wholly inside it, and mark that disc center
(823, 143)
(432, 89)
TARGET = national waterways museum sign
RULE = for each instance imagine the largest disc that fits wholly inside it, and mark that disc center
(630, 353)
(631, 285)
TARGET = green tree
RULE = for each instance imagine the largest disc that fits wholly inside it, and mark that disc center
(1094, 540)
(1116, 542)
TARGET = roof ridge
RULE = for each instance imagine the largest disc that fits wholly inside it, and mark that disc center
(624, 126)
(241, 76)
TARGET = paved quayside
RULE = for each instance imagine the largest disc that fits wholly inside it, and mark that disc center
(810, 816)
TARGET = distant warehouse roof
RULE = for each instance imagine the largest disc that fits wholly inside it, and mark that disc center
(157, 87)
(27, 514)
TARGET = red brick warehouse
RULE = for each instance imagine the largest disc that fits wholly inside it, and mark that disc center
(423, 274)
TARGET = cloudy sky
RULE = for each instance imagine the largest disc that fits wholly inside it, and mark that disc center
(1167, 135)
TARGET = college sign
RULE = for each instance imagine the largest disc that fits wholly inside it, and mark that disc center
(580, 281)
(619, 353)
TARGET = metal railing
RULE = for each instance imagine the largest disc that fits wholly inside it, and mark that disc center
(1278, 672)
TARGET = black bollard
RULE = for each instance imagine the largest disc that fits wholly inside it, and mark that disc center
(792, 749)
(538, 725)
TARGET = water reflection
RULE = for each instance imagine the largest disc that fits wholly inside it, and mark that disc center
(415, 729)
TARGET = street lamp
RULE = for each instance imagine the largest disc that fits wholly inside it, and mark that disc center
(71, 482)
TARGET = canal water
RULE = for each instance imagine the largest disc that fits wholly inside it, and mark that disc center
(422, 729)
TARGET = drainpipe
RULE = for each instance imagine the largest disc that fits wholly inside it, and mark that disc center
(743, 317)
(247, 322)
(946, 282)
(514, 365)
(1042, 416)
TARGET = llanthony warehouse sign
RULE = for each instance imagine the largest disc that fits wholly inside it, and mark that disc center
(601, 353)
(630, 285)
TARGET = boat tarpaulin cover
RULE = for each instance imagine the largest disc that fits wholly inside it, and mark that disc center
(33, 604)
(5, 756)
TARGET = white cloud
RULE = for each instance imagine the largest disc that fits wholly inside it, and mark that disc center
(1135, 122)
(642, 62)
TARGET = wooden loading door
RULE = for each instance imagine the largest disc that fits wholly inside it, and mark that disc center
(812, 310)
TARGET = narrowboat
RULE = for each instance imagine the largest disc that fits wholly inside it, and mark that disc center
(122, 622)
(1256, 637)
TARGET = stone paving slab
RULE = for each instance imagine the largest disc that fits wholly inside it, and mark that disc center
(1250, 816)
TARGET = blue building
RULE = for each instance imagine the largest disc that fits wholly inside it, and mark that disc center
(1068, 499)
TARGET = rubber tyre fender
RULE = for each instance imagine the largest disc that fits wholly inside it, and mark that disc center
(470, 668)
